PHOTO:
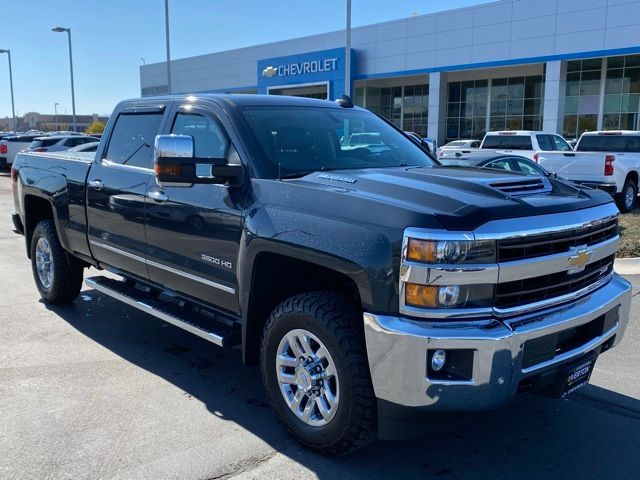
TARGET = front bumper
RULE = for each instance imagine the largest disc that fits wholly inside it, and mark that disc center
(397, 351)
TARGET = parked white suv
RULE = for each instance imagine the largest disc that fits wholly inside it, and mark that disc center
(608, 160)
(525, 143)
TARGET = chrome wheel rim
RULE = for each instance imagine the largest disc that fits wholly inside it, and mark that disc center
(44, 264)
(307, 377)
(629, 197)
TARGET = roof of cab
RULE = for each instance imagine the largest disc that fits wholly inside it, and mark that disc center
(239, 99)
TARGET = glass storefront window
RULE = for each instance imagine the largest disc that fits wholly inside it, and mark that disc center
(582, 96)
(407, 107)
(516, 103)
(622, 93)
(467, 109)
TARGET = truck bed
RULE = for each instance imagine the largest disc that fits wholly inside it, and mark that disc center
(60, 177)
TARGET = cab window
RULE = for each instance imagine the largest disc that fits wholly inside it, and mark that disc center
(560, 144)
(209, 140)
(503, 164)
(132, 139)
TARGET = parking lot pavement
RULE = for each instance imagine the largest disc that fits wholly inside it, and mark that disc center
(98, 390)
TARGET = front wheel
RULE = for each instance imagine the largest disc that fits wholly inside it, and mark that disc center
(627, 198)
(58, 278)
(316, 375)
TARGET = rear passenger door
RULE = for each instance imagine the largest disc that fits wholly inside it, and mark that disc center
(117, 187)
(193, 233)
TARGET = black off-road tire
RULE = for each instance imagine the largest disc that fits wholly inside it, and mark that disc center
(337, 323)
(67, 272)
(622, 199)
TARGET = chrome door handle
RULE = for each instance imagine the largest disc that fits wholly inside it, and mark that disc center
(157, 195)
(96, 184)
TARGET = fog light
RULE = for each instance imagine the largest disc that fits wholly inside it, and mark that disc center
(438, 360)
(449, 296)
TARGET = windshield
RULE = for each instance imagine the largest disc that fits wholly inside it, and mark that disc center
(295, 141)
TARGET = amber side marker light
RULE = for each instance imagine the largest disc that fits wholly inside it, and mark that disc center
(172, 170)
(421, 295)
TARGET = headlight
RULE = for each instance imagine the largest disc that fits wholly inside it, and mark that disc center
(448, 296)
(451, 251)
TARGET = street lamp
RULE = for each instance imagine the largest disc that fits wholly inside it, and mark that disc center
(166, 33)
(73, 95)
(347, 53)
(55, 114)
(13, 108)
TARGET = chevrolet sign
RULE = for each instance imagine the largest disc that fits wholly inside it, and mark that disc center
(313, 66)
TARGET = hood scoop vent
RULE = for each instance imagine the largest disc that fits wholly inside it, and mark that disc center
(523, 186)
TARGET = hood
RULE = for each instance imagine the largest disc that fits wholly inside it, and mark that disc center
(459, 198)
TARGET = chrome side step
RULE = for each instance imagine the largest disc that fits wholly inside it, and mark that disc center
(181, 317)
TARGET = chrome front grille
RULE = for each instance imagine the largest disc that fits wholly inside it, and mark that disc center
(545, 287)
(532, 246)
(540, 262)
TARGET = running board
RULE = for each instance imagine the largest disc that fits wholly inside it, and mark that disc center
(220, 334)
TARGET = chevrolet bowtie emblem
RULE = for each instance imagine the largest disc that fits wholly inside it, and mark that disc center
(579, 258)
(269, 72)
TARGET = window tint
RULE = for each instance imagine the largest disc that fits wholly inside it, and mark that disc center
(609, 143)
(503, 164)
(528, 168)
(508, 142)
(132, 139)
(545, 143)
(475, 144)
(560, 144)
(209, 140)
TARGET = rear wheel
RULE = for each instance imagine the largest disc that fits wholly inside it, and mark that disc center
(58, 277)
(627, 198)
(316, 375)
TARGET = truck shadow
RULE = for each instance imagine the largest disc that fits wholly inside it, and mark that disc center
(595, 434)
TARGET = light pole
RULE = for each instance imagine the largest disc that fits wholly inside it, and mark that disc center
(55, 114)
(13, 108)
(166, 32)
(73, 94)
(347, 53)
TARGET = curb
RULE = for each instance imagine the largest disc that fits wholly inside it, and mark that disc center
(627, 266)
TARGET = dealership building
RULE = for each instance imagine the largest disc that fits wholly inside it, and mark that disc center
(563, 66)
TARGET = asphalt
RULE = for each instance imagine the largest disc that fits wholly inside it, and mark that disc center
(97, 390)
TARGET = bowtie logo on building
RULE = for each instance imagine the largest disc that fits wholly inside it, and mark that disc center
(269, 72)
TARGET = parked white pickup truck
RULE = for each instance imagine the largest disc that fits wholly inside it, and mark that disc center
(608, 160)
(525, 143)
(11, 145)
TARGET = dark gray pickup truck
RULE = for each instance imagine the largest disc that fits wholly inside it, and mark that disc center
(369, 282)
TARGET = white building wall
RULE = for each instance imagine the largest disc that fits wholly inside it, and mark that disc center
(500, 31)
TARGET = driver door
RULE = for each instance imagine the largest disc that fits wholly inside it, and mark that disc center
(193, 233)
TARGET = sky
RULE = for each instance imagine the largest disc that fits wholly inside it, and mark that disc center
(112, 38)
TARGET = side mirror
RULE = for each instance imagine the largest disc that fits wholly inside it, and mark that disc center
(426, 144)
(175, 165)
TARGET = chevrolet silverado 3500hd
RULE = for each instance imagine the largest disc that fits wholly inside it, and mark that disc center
(369, 282)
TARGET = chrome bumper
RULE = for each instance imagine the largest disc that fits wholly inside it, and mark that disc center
(397, 350)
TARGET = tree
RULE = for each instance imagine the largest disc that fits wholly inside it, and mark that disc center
(95, 127)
